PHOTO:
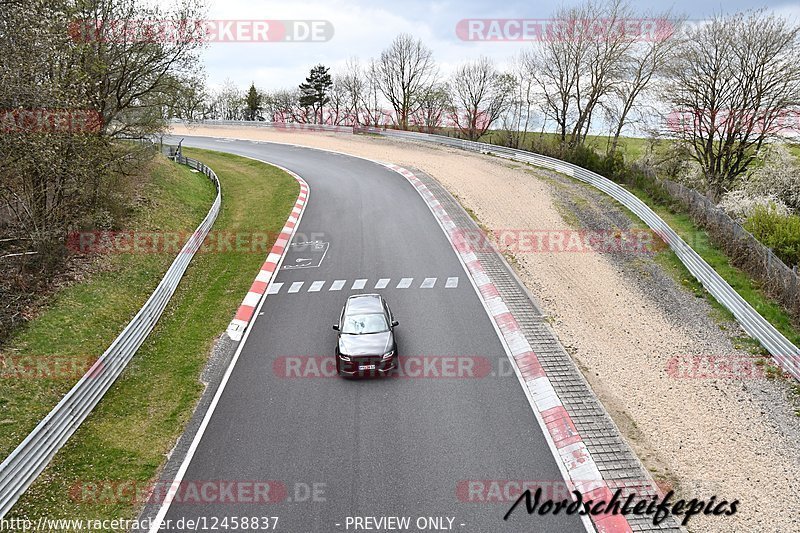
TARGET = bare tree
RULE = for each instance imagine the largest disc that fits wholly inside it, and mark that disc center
(372, 111)
(579, 63)
(354, 86)
(734, 80)
(554, 65)
(229, 101)
(131, 52)
(284, 106)
(337, 112)
(480, 95)
(404, 72)
(642, 63)
(516, 121)
(434, 106)
(191, 101)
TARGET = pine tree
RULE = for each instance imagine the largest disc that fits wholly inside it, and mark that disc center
(314, 92)
(254, 108)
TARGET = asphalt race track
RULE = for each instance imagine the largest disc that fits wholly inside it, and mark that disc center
(398, 446)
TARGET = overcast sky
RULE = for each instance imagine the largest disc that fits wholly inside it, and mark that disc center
(362, 28)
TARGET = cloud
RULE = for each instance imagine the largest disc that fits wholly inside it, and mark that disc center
(362, 28)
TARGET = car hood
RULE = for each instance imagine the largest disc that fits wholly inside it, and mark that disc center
(367, 344)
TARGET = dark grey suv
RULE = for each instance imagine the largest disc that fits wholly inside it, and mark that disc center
(366, 344)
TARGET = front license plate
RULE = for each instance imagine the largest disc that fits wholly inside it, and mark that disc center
(366, 367)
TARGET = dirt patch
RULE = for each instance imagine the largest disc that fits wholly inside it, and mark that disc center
(632, 329)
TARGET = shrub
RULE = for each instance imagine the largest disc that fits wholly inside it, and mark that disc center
(740, 204)
(777, 175)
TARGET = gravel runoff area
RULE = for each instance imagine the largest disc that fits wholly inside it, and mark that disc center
(624, 320)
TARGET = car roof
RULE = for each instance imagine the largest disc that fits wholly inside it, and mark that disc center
(365, 303)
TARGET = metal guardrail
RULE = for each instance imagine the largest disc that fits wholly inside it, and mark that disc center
(291, 126)
(30, 458)
(786, 354)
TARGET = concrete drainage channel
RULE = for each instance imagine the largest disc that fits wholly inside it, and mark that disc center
(618, 465)
(785, 354)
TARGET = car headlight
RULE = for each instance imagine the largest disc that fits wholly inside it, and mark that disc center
(343, 357)
(387, 355)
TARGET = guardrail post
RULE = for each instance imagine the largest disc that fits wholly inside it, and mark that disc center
(19, 470)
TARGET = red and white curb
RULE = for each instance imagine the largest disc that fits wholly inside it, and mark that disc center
(248, 306)
(577, 462)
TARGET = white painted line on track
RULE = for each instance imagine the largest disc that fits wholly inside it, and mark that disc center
(337, 285)
(296, 286)
(428, 283)
(359, 284)
(155, 524)
(316, 286)
(382, 283)
(451, 283)
(477, 279)
(472, 279)
(274, 288)
(405, 283)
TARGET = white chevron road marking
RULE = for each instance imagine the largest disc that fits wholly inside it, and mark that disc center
(358, 284)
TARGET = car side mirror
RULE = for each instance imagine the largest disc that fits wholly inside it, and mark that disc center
(336, 327)
(395, 323)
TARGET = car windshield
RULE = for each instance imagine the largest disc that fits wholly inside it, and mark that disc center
(366, 323)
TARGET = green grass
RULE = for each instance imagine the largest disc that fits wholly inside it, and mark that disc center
(82, 319)
(794, 148)
(632, 147)
(699, 240)
(137, 423)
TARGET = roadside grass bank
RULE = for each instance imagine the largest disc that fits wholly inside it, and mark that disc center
(82, 319)
(126, 438)
(673, 214)
(749, 288)
(632, 147)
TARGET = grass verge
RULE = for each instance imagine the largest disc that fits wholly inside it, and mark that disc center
(127, 436)
(750, 289)
(699, 240)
